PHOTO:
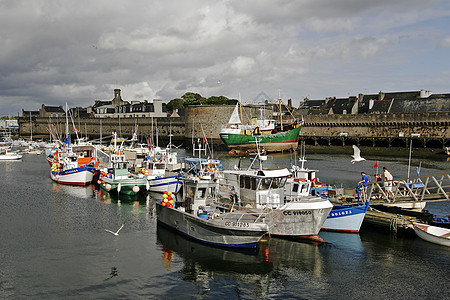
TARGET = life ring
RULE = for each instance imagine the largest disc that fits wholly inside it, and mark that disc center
(212, 167)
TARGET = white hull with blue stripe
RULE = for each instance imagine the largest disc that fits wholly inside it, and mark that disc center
(346, 218)
(161, 184)
(76, 176)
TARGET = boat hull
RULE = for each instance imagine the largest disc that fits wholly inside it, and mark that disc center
(298, 219)
(269, 142)
(169, 184)
(123, 186)
(217, 232)
(345, 218)
(11, 157)
(81, 176)
(433, 234)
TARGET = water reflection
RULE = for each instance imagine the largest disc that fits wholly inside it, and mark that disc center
(303, 265)
(205, 265)
(107, 197)
(74, 191)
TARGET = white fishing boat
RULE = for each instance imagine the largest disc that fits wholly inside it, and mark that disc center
(199, 218)
(433, 234)
(70, 165)
(161, 169)
(33, 150)
(7, 154)
(67, 167)
(304, 185)
(160, 179)
(263, 190)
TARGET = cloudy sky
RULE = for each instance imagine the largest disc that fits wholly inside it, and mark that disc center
(56, 51)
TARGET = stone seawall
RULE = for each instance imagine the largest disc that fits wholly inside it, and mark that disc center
(432, 129)
(435, 125)
(106, 126)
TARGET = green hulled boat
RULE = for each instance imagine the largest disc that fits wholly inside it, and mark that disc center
(271, 138)
(270, 142)
(117, 180)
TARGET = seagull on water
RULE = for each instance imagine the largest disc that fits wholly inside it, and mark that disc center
(117, 232)
(356, 155)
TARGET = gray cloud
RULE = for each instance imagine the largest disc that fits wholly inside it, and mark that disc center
(57, 51)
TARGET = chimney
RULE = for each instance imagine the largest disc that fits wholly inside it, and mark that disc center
(117, 93)
(289, 103)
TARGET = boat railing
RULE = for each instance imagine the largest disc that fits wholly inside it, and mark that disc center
(421, 188)
(245, 217)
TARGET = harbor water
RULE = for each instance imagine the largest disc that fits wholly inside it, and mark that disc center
(54, 246)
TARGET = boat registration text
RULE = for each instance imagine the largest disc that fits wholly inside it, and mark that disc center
(297, 212)
(236, 224)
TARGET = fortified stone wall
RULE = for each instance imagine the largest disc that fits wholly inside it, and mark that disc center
(106, 127)
(208, 120)
(434, 124)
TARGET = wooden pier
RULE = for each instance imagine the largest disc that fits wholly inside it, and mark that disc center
(412, 190)
(394, 210)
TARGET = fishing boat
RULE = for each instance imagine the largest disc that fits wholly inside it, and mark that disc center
(117, 179)
(69, 167)
(7, 154)
(161, 168)
(345, 218)
(304, 185)
(342, 218)
(199, 218)
(263, 190)
(433, 234)
(160, 179)
(70, 164)
(273, 138)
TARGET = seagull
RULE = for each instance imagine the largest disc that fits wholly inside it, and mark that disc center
(356, 155)
(117, 232)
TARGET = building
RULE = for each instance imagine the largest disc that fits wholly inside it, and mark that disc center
(9, 124)
(51, 111)
(381, 103)
(117, 107)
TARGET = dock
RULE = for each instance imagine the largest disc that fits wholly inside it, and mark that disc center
(395, 210)
(391, 221)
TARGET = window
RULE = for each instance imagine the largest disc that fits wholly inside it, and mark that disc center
(201, 192)
(254, 183)
(247, 182)
(265, 183)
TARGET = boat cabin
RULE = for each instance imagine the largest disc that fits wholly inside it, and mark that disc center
(199, 196)
(259, 189)
(119, 170)
(156, 168)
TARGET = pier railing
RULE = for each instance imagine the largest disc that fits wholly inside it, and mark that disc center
(434, 187)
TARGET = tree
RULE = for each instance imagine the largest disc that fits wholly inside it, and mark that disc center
(192, 99)
(175, 104)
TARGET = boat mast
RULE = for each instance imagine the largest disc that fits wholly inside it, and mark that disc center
(409, 160)
(101, 131)
(31, 128)
(240, 108)
(67, 125)
(279, 110)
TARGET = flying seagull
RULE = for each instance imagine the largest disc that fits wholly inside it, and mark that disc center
(356, 155)
(117, 232)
